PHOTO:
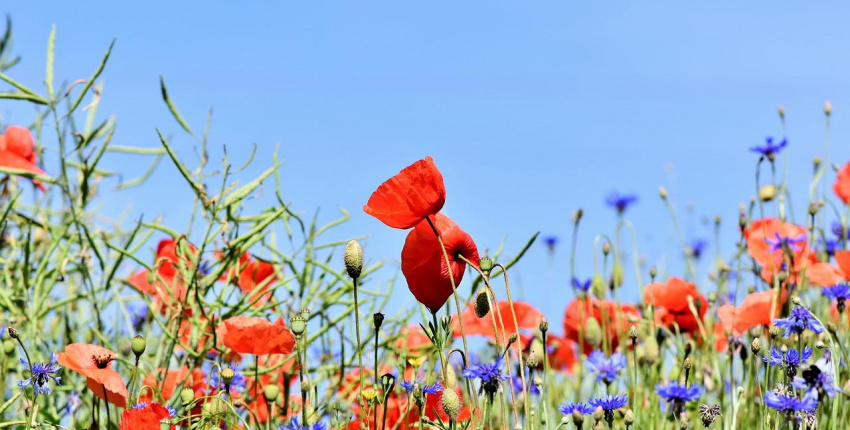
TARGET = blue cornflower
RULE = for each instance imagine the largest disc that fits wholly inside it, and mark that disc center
(516, 380)
(770, 149)
(838, 231)
(815, 378)
(581, 285)
(427, 389)
(74, 403)
(789, 403)
(789, 359)
(606, 368)
(677, 394)
(830, 246)
(780, 243)
(570, 407)
(620, 202)
(609, 404)
(294, 424)
(550, 242)
(837, 291)
(490, 375)
(800, 319)
(41, 375)
(697, 247)
(238, 383)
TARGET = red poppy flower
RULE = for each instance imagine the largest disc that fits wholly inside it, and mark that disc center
(763, 233)
(423, 263)
(561, 351)
(411, 340)
(753, 312)
(408, 197)
(286, 369)
(616, 318)
(528, 318)
(825, 274)
(673, 297)
(146, 418)
(93, 362)
(17, 151)
(254, 274)
(168, 286)
(842, 184)
(167, 385)
(251, 335)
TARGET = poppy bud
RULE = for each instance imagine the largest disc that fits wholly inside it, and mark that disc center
(485, 264)
(767, 192)
(755, 346)
(544, 326)
(781, 111)
(577, 215)
(827, 108)
(353, 258)
(482, 304)
(270, 392)
(597, 286)
(8, 347)
(662, 192)
(592, 332)
(297, 325)
(187, 395)
(629, 417)
(451, 404)
(13, 333)
(616, 275)
(606, 248)
(138, 346)
(451, 377)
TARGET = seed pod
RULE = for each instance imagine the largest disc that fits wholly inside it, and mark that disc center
(187, 395)
(270, 392)
(297, 325)
(482, 303)
(485, 264)
(138, 346)
(592, 332)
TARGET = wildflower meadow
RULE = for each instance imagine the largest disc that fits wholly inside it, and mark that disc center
(252, 318)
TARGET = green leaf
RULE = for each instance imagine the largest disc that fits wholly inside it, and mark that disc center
(18, 85)
(182, 168)
(51, 44)
(27, 174)
(23, 96)
(248, 188)
(173, 108)
(91, 80)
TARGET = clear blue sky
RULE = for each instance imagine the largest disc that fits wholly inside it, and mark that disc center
(530, 109)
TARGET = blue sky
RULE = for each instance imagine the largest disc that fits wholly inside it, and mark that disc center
(530, 109)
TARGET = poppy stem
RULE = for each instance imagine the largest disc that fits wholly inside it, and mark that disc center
(518, 346)
(364, 421)
(106, 401)
(454, 293)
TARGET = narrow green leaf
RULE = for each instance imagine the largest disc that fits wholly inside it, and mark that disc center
(248, 188)
(24, 96)
(91, 80)
(173, 108)
(135, 150)
(27, 174)
(182, 168)
(18, 85)
(141, 179)
(51, 43)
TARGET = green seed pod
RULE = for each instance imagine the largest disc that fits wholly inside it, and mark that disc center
(187, 396)
(165, 424)
(227, 376)
(592, 332)
(353, 258)
(485, 264)
(297, 325)
(616, 276)
(270, 392)
(451, 404)
(597, 286)
(482, 303)
(138, 345)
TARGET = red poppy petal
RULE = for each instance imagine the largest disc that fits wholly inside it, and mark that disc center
(408, 197)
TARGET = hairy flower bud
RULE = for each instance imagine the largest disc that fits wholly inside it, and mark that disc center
(597, 286)
(592, 332)
(633, 333)
(138, 345)
(451, 404)
(629, 417)
(353, 258)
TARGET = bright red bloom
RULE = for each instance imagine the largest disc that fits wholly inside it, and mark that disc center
(825, 274)
(408, 197)
(253, 274)
(673, 297)
(93, 362)
(423, 263)
(17, 151)
(413, 341)
(251, 335)
(762, 232)
(753, 312)
(561, 351)
(842, 184)
(528, 318)
(146, 418)
(194, 379)
(616, 318)
(168, 286)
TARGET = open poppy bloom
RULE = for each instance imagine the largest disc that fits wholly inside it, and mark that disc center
(841, 187)
(166, 284)
(754, 311)
(423, 263)
(412, 341)
(252, 335)
(673, 298)
(408, 197)
(825, 274)
(93, 362)
(528, 318)
(616, 318)
(17, 151)
(769, 238)
(254, 277)
(146, 417)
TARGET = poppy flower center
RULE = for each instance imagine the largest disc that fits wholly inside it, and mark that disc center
(102, 361)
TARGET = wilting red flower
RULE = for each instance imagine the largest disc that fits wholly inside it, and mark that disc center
(528, 318)
(842, 184)
(93, 362)
(17, 151)
(251, 335)
(673, 297)
(616, 318)
(146, 418)
(408, 197)
(423, 263)
(253, 274)
(168, 286)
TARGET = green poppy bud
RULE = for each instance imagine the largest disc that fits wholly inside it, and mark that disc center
(597, 286)
(616, 276)
(270, 392)
(353, 258)
(297, 325)
(451, 404)
(138, 346)
(592, 332)
(187, 396)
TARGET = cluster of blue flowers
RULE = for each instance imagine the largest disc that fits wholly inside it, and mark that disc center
(799, 320)
(606, 368)
(294, 424)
